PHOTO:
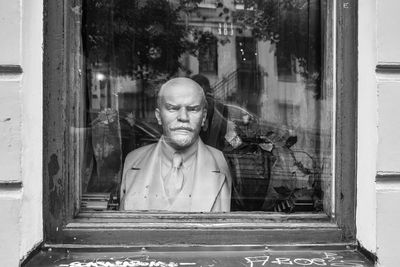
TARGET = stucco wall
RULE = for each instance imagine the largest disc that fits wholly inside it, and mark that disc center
(32, 33)
(388, 163)
(20, 128)
(367, 126)
(378, 209)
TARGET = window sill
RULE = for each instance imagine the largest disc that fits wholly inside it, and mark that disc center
(143, 229)
(251, 256)
(166, 220)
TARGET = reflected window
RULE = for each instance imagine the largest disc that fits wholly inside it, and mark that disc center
(208, 58)
(259, 64)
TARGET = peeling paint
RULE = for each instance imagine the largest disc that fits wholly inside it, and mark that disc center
(77, 10)
(53, 168)
(55, 183)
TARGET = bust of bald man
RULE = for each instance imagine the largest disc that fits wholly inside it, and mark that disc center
(179, 172)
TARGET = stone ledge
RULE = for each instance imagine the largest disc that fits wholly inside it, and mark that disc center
(200, 256)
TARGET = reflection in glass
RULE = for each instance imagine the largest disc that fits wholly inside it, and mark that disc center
(259, 62)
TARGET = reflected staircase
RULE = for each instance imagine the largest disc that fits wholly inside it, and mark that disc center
(226, 87)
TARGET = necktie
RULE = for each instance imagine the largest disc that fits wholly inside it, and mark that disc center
(174, 179)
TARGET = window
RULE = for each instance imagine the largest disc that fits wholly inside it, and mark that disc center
(208, 57)
(270, 111)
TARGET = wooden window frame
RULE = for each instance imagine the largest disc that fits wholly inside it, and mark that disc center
(63, 224)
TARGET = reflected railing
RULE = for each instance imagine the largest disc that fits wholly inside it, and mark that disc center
(224, 88)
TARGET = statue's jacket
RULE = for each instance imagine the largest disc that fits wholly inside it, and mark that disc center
(142, 184)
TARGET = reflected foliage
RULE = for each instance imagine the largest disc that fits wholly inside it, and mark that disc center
(144, 38)
(150, 36)
(266, 168)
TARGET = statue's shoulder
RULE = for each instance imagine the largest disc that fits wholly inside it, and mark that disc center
(140, 153)
(218, 156)
(214, 151)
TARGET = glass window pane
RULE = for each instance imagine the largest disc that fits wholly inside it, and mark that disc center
(260, 66)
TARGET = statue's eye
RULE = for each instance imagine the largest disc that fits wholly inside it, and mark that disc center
(172, 107)
(193, 108)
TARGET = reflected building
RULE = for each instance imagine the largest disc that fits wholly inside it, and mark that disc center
(277, 80)
(270, 72)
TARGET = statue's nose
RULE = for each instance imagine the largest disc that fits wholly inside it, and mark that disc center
(183, 115)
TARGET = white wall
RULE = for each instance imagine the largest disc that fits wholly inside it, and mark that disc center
(388, 221)
(388, 163)
(20, 128)
(32, 112)
(378, 188)
(367, 134)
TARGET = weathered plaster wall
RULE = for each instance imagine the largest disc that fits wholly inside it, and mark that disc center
(10, 236)
(388, 218)
(20, 128)
(10, 132)
(367, 134)
(32, 113)
(388, 163)
(378, 197)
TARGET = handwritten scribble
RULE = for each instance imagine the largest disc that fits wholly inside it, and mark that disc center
(261, 259)
(121, 263)
(329, 259)
(326, 259)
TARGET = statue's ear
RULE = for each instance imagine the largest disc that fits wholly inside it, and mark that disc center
(158, 116)
(204, 117)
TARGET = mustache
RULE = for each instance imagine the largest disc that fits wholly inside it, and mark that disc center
(182, 127)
